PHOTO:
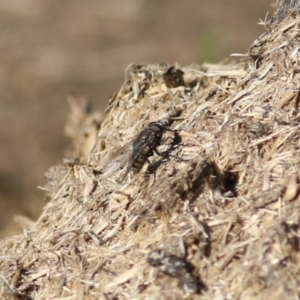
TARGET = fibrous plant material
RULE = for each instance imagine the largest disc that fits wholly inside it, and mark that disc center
(284, 8)
(216, 217)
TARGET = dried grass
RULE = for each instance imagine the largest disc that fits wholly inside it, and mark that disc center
(227, 200)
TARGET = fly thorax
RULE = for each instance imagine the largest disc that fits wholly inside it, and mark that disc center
(157, 129)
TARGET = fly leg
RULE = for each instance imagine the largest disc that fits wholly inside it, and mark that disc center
(176, 140)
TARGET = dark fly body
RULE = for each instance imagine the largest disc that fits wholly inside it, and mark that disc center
(178, 267)
(144, 145)
(136, 152)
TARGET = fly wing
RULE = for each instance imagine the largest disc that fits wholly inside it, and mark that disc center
(118, 159)
(128, 169)
(136, 150)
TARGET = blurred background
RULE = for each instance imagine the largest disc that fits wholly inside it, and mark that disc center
(50, 49)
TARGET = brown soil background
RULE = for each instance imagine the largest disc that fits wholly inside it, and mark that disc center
(51, 49)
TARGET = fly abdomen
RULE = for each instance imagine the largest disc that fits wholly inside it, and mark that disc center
(141, 158)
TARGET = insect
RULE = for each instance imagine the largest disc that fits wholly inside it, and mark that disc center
(178, 267)
(136, 152)
(174, 77)
(169, 264)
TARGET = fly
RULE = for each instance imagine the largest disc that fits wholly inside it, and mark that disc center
(136, 152)
(178, 267)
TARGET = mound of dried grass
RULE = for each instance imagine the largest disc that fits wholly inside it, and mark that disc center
(222, 209)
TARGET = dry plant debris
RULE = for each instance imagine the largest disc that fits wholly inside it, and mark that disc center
(215, 218)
